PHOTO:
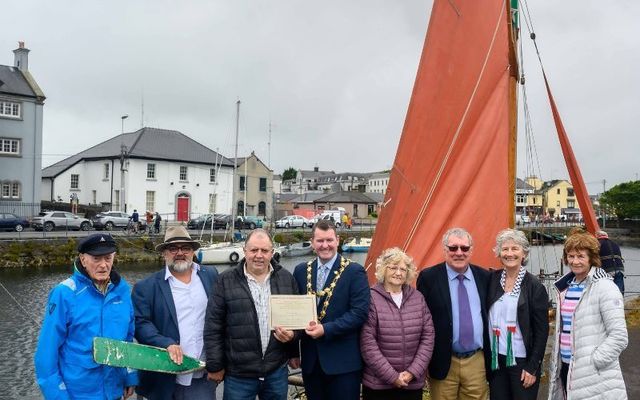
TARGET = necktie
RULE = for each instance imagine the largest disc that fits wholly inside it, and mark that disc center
(322, 276)
(465, 336)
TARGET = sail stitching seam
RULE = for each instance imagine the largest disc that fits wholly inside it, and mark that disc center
(425, 204)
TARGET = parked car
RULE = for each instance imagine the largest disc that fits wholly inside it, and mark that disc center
(50, 220)
(220, 221)
(110, 219)
(11, 222)
(325, 215)
(248, 222)
(292, 221)
(522, 219)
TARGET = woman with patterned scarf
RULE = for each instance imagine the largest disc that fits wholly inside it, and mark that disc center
(518, 325)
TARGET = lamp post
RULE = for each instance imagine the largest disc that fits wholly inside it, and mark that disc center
(123, 149)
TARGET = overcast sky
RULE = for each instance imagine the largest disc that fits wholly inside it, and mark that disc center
(333, 77)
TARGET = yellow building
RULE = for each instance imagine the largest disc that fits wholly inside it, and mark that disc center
(558, 198)
(253, 187)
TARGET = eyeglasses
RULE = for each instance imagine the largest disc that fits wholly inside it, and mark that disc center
(175, 249)
(453, 249)
(396, 269)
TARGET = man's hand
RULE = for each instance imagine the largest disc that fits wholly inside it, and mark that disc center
(294, 363)
(314, 329)
(283, 335)
(527, 379)
(128, 392)
(217, 377)
(175, 353)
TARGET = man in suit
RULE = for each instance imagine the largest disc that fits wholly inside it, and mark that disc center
(455, 292)
(330, 348)
(170, 308)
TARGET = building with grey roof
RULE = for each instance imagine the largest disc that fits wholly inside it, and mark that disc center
(21, 107)
(149, 169)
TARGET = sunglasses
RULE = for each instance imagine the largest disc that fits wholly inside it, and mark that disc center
(453, 249)
(174, 249)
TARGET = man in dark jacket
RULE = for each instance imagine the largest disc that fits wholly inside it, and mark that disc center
(611, 258)
(240, 347)
(455, 292)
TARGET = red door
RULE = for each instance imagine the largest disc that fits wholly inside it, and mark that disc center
(183, 208)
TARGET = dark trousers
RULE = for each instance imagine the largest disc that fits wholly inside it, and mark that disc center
(618, 279)
(321, 386)
(564, 371)
(391, 394)
(505, 383)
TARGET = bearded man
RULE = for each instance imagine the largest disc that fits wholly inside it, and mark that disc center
(170, 308)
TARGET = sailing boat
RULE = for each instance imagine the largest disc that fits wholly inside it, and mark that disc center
(455, 163)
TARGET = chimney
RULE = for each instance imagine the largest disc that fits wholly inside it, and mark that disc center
(21, 57)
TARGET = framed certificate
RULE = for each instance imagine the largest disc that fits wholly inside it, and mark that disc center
(292, 311)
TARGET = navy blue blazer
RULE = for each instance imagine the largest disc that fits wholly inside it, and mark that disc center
(433, 283)
(157, 325)
(338, 350)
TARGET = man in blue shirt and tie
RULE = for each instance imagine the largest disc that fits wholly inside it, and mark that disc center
(330, 348)
(455, 292)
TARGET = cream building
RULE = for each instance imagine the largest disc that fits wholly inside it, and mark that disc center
(253, 187)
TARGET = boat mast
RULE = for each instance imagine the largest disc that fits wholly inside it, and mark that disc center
(235, 167)
(512, 15)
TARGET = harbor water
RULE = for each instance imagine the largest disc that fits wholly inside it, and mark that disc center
(19, 324)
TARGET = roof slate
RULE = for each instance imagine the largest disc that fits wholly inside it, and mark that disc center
(13, 82)
(145, 143)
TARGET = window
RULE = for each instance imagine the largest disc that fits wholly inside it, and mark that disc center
(558, 191)
(520, 198)
(262, 208)
(212, 202)
(263, 184)
(212, 175)
(242, 182)
(116, 200)
(571, 204)
(241, 207)
(151, 200)
(183, 173)
(94, 197)
(151, 171)
(106, 171)
(570, 192)
(6, 190)
(75, 181)
(10, 146)
(9, 109)
(15, 190)
(558, 203)
(370, 209)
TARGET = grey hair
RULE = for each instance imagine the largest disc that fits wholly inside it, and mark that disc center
(394, 256)
(516, 236)
(457, 232)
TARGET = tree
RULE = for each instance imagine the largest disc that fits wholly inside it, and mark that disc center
(289, 173)
(624, 199)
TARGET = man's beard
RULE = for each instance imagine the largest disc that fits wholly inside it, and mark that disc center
(180, 265)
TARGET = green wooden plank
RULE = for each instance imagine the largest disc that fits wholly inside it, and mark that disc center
(117, 353)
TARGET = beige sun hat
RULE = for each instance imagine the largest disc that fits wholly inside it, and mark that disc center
(175, 235)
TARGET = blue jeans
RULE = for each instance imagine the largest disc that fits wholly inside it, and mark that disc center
(273, 387)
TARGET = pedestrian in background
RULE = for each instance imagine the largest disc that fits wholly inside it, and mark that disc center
(611, 259)
(156, 222)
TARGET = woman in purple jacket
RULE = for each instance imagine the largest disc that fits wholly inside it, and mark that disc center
(397, 339)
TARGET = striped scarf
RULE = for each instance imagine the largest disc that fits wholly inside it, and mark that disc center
(512, 318)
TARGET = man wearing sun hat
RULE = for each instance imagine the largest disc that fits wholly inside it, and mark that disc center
(170, 309)
(94, 301)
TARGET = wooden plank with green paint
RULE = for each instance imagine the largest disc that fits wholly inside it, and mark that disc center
(117, 353)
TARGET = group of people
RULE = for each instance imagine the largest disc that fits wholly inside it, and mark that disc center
(469, 331)
(152, 221)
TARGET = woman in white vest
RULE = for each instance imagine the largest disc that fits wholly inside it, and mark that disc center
(590, 329)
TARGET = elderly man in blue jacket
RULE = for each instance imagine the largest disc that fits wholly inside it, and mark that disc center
(94, 301)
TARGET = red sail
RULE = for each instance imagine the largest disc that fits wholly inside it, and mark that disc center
(572, 167)
(452, 165)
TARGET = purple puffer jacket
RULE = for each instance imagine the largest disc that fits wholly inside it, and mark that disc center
(396, 339)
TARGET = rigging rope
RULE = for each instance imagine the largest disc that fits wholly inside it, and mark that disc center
(20, 306)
